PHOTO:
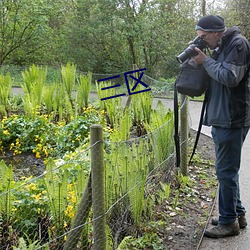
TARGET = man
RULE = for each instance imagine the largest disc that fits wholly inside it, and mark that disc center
(228, 112)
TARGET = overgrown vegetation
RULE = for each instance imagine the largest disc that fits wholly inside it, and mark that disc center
(107, 36)
(54, 124)
(38, 211)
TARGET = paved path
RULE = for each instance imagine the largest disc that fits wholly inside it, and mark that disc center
(241, 242)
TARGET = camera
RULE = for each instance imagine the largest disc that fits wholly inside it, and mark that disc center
(190, 51)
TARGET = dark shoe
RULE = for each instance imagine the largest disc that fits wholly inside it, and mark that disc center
(221, 231)
(241, 219)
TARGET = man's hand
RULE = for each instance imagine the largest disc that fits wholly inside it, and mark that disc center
(200, 58)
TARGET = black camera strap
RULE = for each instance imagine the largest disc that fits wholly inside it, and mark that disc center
(199, 127)
(176, 127)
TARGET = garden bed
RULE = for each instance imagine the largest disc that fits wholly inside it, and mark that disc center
(178, 222)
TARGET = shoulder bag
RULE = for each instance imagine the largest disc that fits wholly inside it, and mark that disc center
(192, 79)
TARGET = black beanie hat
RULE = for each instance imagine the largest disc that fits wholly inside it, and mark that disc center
(211, 23)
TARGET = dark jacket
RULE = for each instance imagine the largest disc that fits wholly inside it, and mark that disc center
(228, 103)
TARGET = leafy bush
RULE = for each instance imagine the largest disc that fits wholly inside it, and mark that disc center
(44, 138)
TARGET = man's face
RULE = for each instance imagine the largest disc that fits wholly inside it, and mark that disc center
(211, 38)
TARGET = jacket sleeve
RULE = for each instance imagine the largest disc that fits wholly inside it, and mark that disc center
(232, 68)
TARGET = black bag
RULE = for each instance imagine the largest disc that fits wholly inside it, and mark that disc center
(192, 80)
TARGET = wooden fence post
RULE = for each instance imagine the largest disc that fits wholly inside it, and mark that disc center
(98, 195)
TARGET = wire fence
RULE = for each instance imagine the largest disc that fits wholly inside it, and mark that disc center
(48, 204)
(56, 210)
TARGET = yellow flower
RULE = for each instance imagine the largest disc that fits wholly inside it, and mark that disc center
(37, 196)
(102, 112)
(69, 211)
(16, 152)
(26, 178)
(6, 132)
(31, 187)
(45, 151)
(73, 199)
(14, 209)
(38, 156)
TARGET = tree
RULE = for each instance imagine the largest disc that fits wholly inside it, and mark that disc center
(102, 36)
(237, 13)
(20, 22)
(109, 36)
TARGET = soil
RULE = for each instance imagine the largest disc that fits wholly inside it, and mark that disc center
(188, 221)
(25, 164)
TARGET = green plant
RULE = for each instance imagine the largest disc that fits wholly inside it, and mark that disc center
(5, 90)
(184, 181)
(126, 172)
(147, 241)
(68, 74)
(113, 106)
(83, 90)
(164, 191)
(59, 100)
(65, 181)
(176, 199)
(6, 196)
(127, 160)
(34, 81)
(6, 204)
(44, 137)
(23, 246)
(30, 207)
(23, 134)
(142, 107)
(122, 125)
(48, 98)
(161, 127)
(29, 244)
(56, 187)
(43, 207)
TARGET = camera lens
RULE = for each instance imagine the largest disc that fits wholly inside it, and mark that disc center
(187, 53)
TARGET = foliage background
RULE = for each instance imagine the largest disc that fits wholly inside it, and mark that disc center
(107, 36)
